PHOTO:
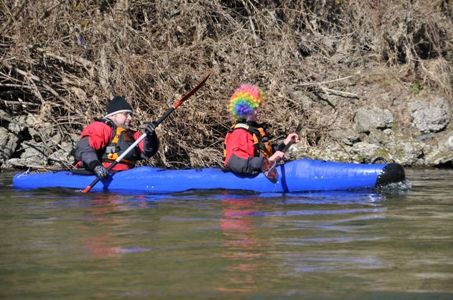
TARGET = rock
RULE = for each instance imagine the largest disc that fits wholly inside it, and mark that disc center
(346, 136)
(8, 143)
(33, 155)
(365, 152)
(63, 156)
(367, 119)
(407, 152)
(306, 101)
(439, 157)
(447, 143)
(40, 130)
(332, 152)
(443, 153)
(17, 124)
(430, 115)
(4, 115)
(381, 137)
(403, 152)
(14, 163)
(33, 151)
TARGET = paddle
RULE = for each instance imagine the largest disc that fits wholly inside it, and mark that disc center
(175, 105)
(270, 170)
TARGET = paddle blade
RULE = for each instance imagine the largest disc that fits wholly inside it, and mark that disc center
(180, 101)
(270, 171)
(90, 186)
(87, 189)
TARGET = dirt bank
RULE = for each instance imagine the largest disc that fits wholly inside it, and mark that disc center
(358, 81)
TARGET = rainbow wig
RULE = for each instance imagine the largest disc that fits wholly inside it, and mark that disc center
(244, 101)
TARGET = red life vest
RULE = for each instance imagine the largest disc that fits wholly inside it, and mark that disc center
(244, 140)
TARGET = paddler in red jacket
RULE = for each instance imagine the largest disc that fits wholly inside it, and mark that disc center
(247, 149)
(104, 140)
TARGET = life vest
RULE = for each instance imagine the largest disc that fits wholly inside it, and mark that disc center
(121, 140)
(262, 146)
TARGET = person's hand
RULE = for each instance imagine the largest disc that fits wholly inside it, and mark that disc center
(101, 172)
(150, 128)
(292, 138)
(277, 156)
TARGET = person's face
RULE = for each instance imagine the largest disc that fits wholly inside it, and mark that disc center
(122, 119)
(254, 116)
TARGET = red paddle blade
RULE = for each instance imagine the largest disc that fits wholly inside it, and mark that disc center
(270, 171)
(191, 92)
(87, 189)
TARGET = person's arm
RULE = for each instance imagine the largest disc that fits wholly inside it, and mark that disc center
(280, 149)
(292, 138)
(150, 144)
(94, 136)
(86, 154)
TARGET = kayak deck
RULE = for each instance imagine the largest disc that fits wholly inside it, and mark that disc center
(294, 176)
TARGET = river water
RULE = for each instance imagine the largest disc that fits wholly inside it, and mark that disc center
(68, 245)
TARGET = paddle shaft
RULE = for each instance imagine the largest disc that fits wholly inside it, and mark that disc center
(175, 105)
(112, 165)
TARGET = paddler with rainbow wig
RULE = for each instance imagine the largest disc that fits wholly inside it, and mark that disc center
(247, 148)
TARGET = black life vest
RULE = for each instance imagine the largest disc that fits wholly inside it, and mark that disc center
(121, 140)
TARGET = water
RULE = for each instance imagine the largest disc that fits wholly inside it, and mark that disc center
(66, 245)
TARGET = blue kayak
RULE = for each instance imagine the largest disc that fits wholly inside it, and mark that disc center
(295, 176)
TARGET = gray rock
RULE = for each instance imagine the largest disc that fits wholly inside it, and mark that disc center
(345, 136)
(300, 96)
(407, 152)
(14, 163)
(381, 137)
(442, 153)
(430, 115)
(42, 131)
(365, 152)
(367, 119)
(8, 143)
(332, 152)
(17, 124)
(4, 115)
(438, 157)
(34, 151)
(63, 156)
(33, 155)
(447, 143)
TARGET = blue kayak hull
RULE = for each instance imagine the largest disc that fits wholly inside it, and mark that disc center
(295, 176)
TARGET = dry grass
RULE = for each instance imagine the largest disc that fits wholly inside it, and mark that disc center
(63, 60)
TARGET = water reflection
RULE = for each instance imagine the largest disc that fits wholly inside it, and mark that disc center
(308, 226)
(102, 238)
(242, 245)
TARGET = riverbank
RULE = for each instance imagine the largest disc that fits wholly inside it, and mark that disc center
(373, 134)
(359, 82)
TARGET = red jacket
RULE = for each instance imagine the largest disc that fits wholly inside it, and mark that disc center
(99, 136)
(240, 143)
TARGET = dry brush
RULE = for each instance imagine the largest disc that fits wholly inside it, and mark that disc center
(63, 60)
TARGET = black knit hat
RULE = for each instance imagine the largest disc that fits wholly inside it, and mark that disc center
(116, 105)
